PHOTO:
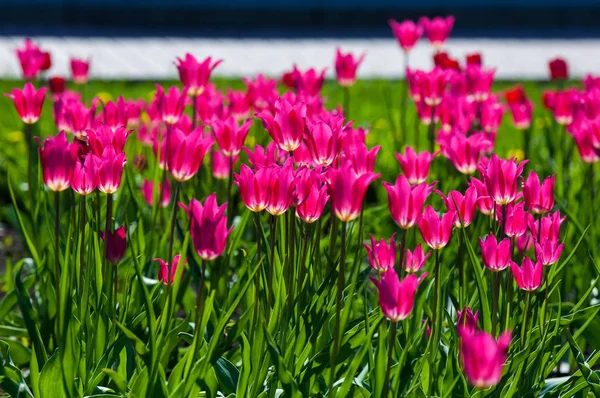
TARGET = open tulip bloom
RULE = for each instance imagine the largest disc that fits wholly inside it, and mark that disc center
(231, 237)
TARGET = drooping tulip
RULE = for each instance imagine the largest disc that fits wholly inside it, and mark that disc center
(346, 66)
(436, 230)
(186, 153)
(116, 244)
(287, 127)
(168, 271)
(496, 256)
(397, 298)
(382, 256)
(208, 225)
(57, 157)
(347, 190)
(80, 70)
(407, 33)
(482, 356)
(28, 102)
(406, 201)
(529, 275)
(85, 175)
(415, 166)
(194, 75)
(539, 198)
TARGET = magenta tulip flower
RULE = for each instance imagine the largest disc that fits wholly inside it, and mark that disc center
(84, 179)
(382, 256)
(148, 192)
(397, 298)
(322, 141)
(516, 220)
(230, 135)
(559, 69)
(406, 201)
(261, 91)
(496, 256)
(239, 104)
(346, 66)
(170, 106)
(433, 85)
(483, 357)
(491, 113)
(436, 230)
(467, 321)
(463, 206)
(407, 33)
(485, 204)
(362, 158)
(479, 82)
(186, 152)
(415, 166)
(549, 252)
(437, 29)
(220, 164)
(194, 75)
(167, 272)
(529, 275)
(253, 187)
(116, 244)
(280, 188)
(80, 70)
(115, 115)
(539, 198)
(31, 59)
(28, 102)
(78, 117)
(347, 190)
(501, 179)
(415, 260)
(58, 158)
(287, 127)
(208, 227)
(103, 136)
(311, 209)
(464, 152)
(308, 82)
(110, 170)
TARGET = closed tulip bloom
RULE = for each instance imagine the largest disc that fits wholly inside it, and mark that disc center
(79, 118)
(397, 298)
(58, 158)
(442, 60)
(406, 201)
(463, 205)
(558, 69)
(564, 106)
(382, 256)
(539, 198)
(437, 29)
(57, 85)
(549, 252)
(467, 320)
(186, 153)
(253, 187)
(516, 220)
(346, 66)
(116, 244)
(168, 272)
(464, 152)
(520, 107)
(496, 256)
(485, 204)
(415, 260)
(230, 135)
(280, 189)
(170, 106)
(322, 142)
(347, 190)
(110, 170)
(287, 127)
(407, 33)
(483, 357)
(436, 230)
(148, 192)
(31, 59)
(311, 209)
(473, 59)
(529, 275)
(80, 70)
(85, 175)
(415, 166)
(28, 102)
(208, 227)
(194, 75)
(501, 179)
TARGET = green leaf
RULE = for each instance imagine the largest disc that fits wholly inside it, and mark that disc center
(290, 386)
(51, 378)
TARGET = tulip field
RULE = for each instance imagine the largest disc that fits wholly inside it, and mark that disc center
(292, 236)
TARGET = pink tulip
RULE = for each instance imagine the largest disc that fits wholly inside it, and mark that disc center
(28, 102)
(347, 190)
(78, 117)
(80, 70)
(263, 158)
(115, 115)
(483, 357)
(406, 201)
(110, 170)
(346, 66)
(221, 164)
(436, 230)
(516, 220)
(496, 256)
(382, 256)
(539, 198)
(166, 272)
(362, 159)
(58, 158)
(415, 260)
(186, 153)
(550, 227)
(239, 104)
(148, 192)
(479, 81)
(563, 104)
(261, 91)
(31, 59)
(116, 244)
(193, 74)
(230, 136)
(287, 127)
(170, 106)
(308, 82)
(134, 111)
(414, 79)
(208, 227)
(491, 113)
(485, 204)
(280, 188)
(467, 321)
(85, 175)
(397, 298)
(501, 179)
(254, 187)
(407, 33)
(103, 136)
(415, 166)
(520, 107)
(437, 29)
(464, 152)
(311, 209)
(529, 275)
(549, 252)
(433, 86)
(463, 206)
(322, 141)
(585, 147)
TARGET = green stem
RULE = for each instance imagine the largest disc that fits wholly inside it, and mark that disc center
(229, 187)
(402, 251)
(272, 262)
(461, 272)
(166, 168)
(200, 303)
(346, 105)
(495, 302)
(525, 325)
(338, 307)
(194, 113)
(57, 254)
(386, 382)
(29, 134)
(307, 239)
(257, 276)
(431, 131)
(334, 224)
(172, 231)
(82, 214)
